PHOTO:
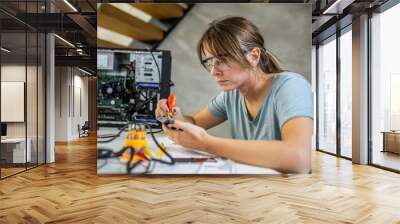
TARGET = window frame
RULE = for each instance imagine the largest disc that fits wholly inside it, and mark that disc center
(381, 9)
(336, 36)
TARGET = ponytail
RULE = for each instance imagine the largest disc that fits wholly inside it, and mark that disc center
(269, 63)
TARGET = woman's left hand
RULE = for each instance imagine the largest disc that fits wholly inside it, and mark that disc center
(188, 135)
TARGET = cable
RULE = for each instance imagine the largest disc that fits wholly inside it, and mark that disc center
(108, 153)
(130, 69)
(104, 153)
(129, 168)
(112, 137)
(146, 101)
(155, 132)
(158, 68)
(103, 165)
(162, 149)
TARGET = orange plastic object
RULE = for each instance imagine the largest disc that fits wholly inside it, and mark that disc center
(136, 139)
(139, 155)
(171, 101)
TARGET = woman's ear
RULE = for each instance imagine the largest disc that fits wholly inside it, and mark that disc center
(254, 57)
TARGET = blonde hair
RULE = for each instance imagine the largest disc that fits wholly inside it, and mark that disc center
(233, 37)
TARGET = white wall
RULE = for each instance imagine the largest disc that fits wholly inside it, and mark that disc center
(12, 73)
(33, 126)
(70, 83)
(61, 103)
(79, 117)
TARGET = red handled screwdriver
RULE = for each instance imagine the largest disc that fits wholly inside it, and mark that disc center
(171, 101)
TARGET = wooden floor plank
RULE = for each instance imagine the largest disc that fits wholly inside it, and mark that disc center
(69, 191)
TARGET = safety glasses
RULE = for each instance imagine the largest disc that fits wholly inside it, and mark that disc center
(219, 61)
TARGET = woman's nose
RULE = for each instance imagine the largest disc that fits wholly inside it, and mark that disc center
(215, 71)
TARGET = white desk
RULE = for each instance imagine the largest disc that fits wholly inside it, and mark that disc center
(18, 149)
(221, 166)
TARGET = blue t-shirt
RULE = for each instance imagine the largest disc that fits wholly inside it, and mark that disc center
(289, 96)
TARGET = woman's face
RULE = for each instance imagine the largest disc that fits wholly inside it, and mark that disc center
(228, 74)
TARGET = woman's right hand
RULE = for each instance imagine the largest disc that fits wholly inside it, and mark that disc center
(162, 109)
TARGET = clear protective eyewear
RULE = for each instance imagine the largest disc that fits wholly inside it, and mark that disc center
(215, 61)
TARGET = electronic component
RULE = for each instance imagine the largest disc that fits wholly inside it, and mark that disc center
(145, 119)
(130, 83)
(135, 150)
(166, 120)
(105, 61)
(146, 66)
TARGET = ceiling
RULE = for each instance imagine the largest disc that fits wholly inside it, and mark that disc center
(331, 15)
(73, 21)
(133, 25)
(136, 25)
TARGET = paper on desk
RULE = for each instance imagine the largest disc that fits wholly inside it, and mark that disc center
(178, 151)
(219, 167)
(249, 169)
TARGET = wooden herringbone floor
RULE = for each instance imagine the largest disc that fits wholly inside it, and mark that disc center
(69, 191)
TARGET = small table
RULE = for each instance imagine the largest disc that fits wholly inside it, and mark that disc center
(391, 141)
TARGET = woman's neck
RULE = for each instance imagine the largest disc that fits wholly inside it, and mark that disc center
(256, 88)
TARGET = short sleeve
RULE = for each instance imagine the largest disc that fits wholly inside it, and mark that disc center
(294, 98)
(217, 105)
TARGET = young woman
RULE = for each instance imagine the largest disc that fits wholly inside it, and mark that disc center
(269, 110)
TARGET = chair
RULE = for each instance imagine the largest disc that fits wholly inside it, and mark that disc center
(84, 130)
